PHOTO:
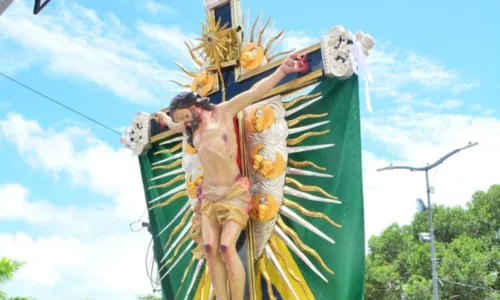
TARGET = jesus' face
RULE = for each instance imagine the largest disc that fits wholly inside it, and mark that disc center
(184, 116)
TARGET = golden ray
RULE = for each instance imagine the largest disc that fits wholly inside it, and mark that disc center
(191, 262)
(178, 248)
(253, 27)
(184, 85)
(263, 272)
(219, 51)
(188, 73)
(272, 41)
(193, 56)
(205, 27)
(178, 227)
(288, 88)
(168, 167)
(295, 141)
(171, 150)
(199, 46)
(205, 282)
(261, 33)
(199, 54)
(221, 31)
(306, 163)
(164, 185)
(212, 293)
(300, 98)
(308, 188)
(279, 54)
(217, 24)
(309, 213)
(170, 200)
(299, 119)
(280, 256)
(223, 85)
(301, 244)
(175, 148)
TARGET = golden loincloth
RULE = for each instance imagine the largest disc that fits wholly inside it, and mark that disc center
(221, 204)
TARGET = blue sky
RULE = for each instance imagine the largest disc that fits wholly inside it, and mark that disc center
(68, 190)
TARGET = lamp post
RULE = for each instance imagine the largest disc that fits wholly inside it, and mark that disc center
(431, 229)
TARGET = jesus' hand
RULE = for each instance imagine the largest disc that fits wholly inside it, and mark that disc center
(294, 64)
(164, 120)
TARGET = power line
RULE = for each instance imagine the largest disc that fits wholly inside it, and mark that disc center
(59, 103)
(470, 286)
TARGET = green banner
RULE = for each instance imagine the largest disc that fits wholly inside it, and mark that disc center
(346, 257)
(160, 217)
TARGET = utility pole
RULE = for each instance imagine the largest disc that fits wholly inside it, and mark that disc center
(431, 229)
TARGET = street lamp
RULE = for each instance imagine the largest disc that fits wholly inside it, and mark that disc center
(421, 205)
(422, 236)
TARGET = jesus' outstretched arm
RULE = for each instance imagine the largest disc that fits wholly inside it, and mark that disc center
(291, 64)
(166, 120)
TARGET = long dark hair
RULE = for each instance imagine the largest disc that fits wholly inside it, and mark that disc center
(186, 100)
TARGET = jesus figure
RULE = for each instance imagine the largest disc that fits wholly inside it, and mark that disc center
(224, 196)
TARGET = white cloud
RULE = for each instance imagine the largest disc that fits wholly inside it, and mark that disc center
(71, 220)
(459, 88)
(77, 42)
(403, 78)
(60, 268)
(298, 40)
(447, 104)
(154, 8)
(429, 73)
(85, 160)
(87, 249)
(43, 257)
(171, 38)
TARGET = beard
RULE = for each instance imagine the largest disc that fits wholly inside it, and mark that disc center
(194, 123)
(192, 128)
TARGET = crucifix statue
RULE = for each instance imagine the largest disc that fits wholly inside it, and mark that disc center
(224, 196)
(235, 163)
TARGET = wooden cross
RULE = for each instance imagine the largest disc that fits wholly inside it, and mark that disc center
(227, 12)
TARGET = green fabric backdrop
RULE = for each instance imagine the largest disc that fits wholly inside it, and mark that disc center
(160, 217)
(346, 257)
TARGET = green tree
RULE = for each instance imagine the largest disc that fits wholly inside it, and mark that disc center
(8, 268)
(398, 266)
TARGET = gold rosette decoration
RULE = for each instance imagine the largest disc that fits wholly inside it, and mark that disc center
(203, 83)
(259, 47)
